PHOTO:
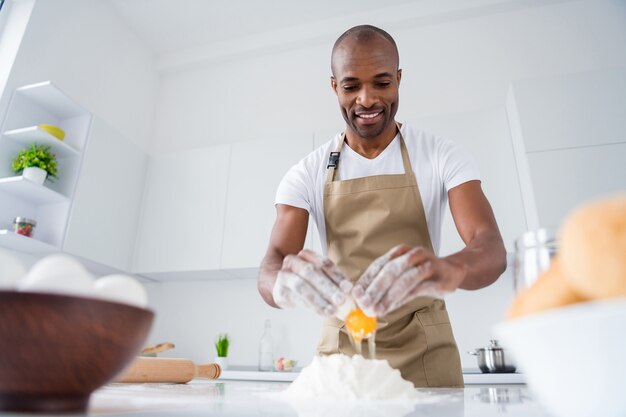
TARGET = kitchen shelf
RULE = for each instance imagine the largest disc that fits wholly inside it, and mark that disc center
(30, 191)
(49, 203)
(12, 240)
(46, 95)
(25, 136)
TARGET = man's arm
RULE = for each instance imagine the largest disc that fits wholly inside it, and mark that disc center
(287, 238)
(291, 276)
(484, 256)
(405, 273)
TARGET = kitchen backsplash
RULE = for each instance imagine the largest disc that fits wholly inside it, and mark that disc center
(191, 314)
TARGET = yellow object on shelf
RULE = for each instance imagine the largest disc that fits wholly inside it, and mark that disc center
(55, 131)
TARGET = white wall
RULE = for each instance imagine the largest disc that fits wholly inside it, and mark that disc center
(455, 69)
(191, 314)
(83, 47)
(13, 22)
(86, 50)
(449, 67)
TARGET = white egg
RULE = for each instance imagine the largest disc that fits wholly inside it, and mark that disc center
(59, 274)
(121, 289)
(345, 308)
(11, 270)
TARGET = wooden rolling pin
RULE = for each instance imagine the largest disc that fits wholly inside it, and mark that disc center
(161, 347)
(172, 370)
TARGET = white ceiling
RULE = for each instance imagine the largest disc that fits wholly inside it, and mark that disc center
(185, 33)
(172, 25)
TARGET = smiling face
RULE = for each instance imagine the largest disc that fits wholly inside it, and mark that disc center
(366, 79)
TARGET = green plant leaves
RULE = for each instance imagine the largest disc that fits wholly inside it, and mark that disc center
(221, 345)
(36, 155)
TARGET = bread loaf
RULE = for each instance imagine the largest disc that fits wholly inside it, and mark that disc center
(591, 263)
(551, 290)
(593, 248)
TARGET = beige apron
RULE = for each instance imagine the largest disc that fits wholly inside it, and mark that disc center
(365, 217)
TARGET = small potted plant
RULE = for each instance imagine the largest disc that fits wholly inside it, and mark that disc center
(221, 346)
(36, 163)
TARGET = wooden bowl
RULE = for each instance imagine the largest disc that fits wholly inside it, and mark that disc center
(55, 350)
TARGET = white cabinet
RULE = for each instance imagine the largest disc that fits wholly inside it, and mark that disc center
(565, 178)
(49, 204)
(572, 110)
(569, 135)
(182, 219)
(255, 172)
(208, 212)
(103, 222)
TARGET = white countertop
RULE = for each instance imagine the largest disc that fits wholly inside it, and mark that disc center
(253, 398)
(470, 376)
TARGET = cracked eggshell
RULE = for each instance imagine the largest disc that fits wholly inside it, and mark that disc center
(345, 308)
(59, 274)
(11, 271)
(121, 289)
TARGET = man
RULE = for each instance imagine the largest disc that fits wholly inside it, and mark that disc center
(377, 193)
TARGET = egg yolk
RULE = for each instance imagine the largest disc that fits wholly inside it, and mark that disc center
(360, 325)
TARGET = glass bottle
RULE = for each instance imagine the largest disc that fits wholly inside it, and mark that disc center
(266, 357)
(534, 251)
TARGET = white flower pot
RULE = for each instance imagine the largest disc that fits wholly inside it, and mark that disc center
(222, 361)
(35, 174)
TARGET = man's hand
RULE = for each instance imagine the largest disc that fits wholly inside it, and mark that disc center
(312, 281)
(403, 274)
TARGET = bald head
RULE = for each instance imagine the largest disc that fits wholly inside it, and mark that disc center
(366, 80)
(363, 35)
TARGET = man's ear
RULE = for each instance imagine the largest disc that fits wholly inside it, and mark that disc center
(399, 76)
(333, 84)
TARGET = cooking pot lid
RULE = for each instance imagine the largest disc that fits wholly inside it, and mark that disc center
(494, 345)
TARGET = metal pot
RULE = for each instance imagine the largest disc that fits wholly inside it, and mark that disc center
(494, 358)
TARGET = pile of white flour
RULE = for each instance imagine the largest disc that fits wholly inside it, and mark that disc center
(340, 377)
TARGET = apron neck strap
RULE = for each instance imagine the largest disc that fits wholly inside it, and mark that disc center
(333, 168)
(408, 170)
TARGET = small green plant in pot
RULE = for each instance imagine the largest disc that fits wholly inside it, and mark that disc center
(222, 343)
(37, 162)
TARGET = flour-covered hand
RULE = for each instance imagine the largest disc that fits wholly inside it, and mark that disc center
(312, 281)
(403, 274)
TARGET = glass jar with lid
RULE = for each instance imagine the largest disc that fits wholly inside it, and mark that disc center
(533, 254)
(24, 226)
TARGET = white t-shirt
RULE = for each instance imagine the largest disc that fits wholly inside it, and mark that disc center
(439, 166)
